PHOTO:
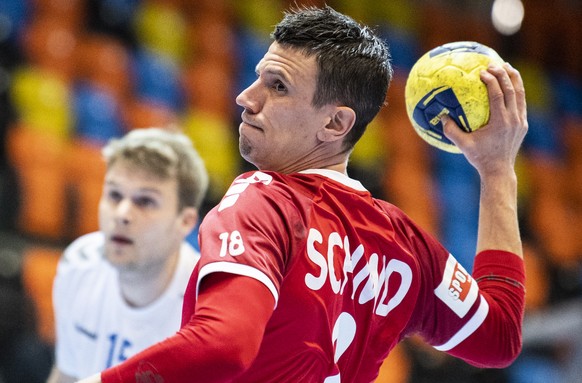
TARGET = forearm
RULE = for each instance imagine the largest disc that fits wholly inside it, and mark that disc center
(498, 219)
(194, 352)
(218, 344)
(492, 150)
(498, 341)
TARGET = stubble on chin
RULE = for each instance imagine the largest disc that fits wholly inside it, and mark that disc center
(244, 146)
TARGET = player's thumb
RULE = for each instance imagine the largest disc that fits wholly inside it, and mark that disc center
(451, 130)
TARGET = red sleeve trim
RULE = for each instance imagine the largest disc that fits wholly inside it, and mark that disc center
(501, 277)
(500, 266)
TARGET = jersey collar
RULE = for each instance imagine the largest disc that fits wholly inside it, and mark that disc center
(338, 177)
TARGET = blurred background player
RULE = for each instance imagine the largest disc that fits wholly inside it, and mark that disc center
(120, 289)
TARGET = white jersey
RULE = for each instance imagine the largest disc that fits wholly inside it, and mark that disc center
(96, 329)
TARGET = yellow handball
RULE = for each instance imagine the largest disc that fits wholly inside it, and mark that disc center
(446, 80)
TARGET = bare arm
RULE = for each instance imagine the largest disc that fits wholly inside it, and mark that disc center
(492, 150)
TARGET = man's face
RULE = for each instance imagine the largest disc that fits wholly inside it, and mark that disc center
(280, 124)
(138, 214)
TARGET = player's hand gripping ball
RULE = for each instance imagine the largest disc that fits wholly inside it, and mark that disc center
(446, 80)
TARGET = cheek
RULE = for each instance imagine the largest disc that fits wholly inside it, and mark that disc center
(104, 214)
(303, 120)
(158, 228)
(159, 238)
(290, 127)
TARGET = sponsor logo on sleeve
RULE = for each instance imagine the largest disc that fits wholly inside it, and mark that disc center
(457, 289)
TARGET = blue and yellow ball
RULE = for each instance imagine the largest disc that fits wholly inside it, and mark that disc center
(446, 80)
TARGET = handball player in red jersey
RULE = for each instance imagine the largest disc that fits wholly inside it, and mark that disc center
(304, 276)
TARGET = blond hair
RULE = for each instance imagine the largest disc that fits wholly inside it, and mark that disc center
(164, 154)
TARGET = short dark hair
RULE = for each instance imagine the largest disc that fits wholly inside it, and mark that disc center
(353, 62)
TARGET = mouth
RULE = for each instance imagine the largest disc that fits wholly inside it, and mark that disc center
(249, 123)
(121, 240)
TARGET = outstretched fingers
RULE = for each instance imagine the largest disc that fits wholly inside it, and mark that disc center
(493, 148)
(500, 89)
(519, 91)
(506, 94)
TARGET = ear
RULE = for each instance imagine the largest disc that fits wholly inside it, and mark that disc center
(188, 220)
(340, 124)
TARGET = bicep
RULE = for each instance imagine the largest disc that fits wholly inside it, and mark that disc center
(231, 313)
(236, 305)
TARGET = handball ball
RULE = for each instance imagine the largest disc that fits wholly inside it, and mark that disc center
(446, 80)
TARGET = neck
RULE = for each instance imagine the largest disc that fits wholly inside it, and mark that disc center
(142, 287)
(337, 162)
(341, 167)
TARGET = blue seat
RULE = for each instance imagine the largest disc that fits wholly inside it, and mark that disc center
(458, 184)
(157, 79)
(96, 114)
(251, 48)
(13, 17)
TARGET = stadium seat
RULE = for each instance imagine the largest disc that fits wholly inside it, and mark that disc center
(141, 113)
(214, 139)
(39, 265)
(396, 368)
(98, 114)
(161, 27)
(42, 101)
(104, 63)
(86, 171)
(157, 79)
(39, 163)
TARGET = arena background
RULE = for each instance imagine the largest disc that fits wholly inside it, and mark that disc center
(76, 73)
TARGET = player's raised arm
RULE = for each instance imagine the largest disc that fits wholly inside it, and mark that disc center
(498, 267)
(492, 150)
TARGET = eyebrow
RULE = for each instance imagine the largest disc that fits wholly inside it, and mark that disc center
(141, 190)
(273, 71)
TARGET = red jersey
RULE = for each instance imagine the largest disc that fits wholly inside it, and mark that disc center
(351, 276)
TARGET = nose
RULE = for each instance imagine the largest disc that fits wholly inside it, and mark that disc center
(123, 211)
(249, 98)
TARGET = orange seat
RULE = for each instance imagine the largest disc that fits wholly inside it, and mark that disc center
(537, 282)
(104, 62)
(39, 266)
(408, 180)
(396, 367)
(86, 171)
(142, 113)
(38, 159)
